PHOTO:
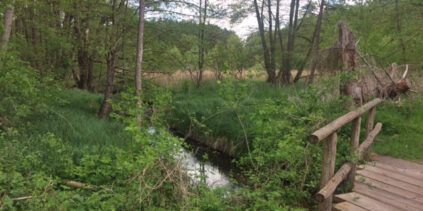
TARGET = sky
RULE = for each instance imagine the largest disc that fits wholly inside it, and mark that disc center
(242, 28)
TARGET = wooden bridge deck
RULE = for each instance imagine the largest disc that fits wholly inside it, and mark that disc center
(385, 184)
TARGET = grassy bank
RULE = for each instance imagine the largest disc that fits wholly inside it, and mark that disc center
(402, 131)
(269, 126)
(76, 123)
(118, 171)
(213, 112)
(206, 111)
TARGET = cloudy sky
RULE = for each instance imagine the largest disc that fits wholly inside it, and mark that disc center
(242, 28)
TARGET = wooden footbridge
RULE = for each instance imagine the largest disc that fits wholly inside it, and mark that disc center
(382, 184)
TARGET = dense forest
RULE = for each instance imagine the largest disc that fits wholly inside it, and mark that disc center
(99, 99)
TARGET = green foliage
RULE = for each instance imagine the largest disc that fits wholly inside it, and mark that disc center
(22, 90)
(402, 129)
(270, 125)
(375, 24)
(124, 167)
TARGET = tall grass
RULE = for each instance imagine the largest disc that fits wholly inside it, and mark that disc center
(77, 124)
(402, 131)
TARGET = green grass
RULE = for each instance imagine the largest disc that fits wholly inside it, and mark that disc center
(402, 131)
(77, 124)
(207, 105)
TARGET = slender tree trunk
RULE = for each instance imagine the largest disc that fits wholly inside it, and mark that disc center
(113, 46)
(83, 66)
(271, 77)
(316, 42)
(202, 24)
(285, 73)
(271, 41)
(8, 20)
(105, 107)
(310, 50)
(304, 62)
(398, 22)
(140, 46)
(281, 46)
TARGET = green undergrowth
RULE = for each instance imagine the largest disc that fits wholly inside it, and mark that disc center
(206, 110)
(121, 167)
(77, 125)
(270, 125)
(402, 130)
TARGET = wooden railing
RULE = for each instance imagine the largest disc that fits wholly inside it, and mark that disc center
(327, 134)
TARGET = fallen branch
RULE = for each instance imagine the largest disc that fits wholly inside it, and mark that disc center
(21, 198)
(75, 184)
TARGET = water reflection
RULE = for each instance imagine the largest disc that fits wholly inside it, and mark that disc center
(214, 173)
(200, 171)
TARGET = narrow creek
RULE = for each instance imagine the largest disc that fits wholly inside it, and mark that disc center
(203, 164)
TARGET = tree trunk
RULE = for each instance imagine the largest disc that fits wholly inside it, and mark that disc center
(202, 24)
(271, 76)
(316, 42)
(83, 66)
(271, 41)
(140, 46)
(284, 75)
(8, 18)
(105, 107)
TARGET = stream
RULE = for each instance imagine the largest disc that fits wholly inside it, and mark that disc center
(203, 164)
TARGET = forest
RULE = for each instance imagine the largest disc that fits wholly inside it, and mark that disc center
(198, 104)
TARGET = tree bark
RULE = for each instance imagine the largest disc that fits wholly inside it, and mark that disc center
(114, 46)
(8, 18)
(202, 24)
(316, 42)
(271, 41)
(284, 75)
(140, 50)
(271, 76)
(105, 107)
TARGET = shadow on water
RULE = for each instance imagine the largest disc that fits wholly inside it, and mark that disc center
(204, 164)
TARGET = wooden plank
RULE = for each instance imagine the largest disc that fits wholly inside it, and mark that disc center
(354, 142)
(399, 163)
(328, 168)
(364, 201)
(391, 181)
(394, 175)
(386, 187)
(404, 171)
(332, 127)
(370, 121)
(346, 206)
(365, 146)
(386, 197)
(331, 185)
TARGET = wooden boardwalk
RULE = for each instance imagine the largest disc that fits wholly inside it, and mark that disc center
(385, 184)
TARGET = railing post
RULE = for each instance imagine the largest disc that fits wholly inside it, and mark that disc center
(328, 168)
(354, 142)
(369, 127)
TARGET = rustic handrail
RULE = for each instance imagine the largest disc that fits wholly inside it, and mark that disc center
(329, 181)
(330, 128)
